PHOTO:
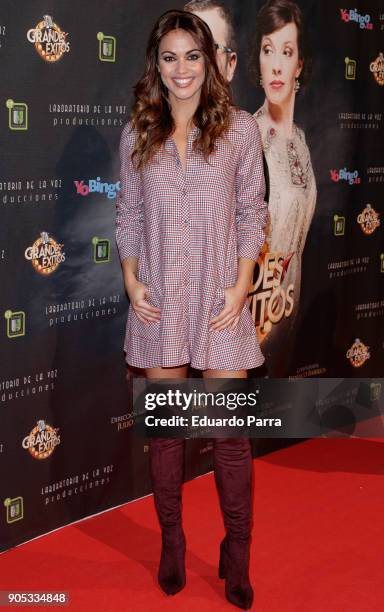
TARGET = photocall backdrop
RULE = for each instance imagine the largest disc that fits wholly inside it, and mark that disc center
(66, 446)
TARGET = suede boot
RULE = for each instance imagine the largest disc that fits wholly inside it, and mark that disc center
(233, 475)
(166, 468)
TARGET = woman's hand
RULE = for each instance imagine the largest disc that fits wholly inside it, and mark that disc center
(230, 315)
(137, 293)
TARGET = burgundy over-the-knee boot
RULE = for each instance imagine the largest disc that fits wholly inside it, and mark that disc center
(233, 475)
(166, 468)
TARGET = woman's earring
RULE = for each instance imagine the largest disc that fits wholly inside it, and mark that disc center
(261, 82)
(297, 85)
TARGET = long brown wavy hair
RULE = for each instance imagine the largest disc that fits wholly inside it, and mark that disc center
(151, 114)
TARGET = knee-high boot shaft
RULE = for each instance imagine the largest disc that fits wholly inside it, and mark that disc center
(232, 459)
(233, 476)
(166, 469)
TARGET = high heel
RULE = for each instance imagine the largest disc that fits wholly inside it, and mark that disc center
(238, 589)
(171, 574)
(235, 570)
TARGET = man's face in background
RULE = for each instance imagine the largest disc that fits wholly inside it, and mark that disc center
(219, 28)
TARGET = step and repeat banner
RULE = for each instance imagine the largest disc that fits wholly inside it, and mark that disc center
(68, 69)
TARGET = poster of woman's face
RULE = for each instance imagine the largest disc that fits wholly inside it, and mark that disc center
(280, 65)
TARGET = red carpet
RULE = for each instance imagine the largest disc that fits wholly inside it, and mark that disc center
(317, 541)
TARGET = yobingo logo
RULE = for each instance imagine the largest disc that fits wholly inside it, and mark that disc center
(270, 302)
(42, 440)
(368, 220)
(45, 254)
(377, 68)
(344, 175)
(364, 21)
(97, 186)
(358, 353)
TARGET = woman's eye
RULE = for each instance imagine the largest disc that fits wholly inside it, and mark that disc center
(288, 52)
(194, 57)
(267, 50)
(168, 58)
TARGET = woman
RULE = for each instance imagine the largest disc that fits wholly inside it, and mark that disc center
(280, 64)
(191, 203)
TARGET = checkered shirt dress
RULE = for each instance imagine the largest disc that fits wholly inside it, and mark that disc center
(187, 232)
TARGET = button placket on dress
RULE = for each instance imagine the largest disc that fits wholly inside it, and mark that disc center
(184, 224)
(187, 237)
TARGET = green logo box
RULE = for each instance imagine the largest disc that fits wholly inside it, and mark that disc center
(107, 47)
(15, 509)
(338, 225)
(350, 69)
(15, 323)
(101, 250)
(17, 115)
(375, 391)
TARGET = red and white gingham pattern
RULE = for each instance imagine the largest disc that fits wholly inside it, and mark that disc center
(187, 232)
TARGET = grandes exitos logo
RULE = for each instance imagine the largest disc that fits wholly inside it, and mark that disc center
(377, 69)
(358, 353)
(351, 177)
(270, 302)
(96, 185)
(50, 41)
(364, 21)
(42, 440)
(45, 254)
(368, 220)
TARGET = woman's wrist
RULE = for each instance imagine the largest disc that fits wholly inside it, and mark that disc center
(129, 278)
(244, 275)
(242, 287)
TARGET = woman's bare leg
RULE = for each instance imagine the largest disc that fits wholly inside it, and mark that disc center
(176, 372)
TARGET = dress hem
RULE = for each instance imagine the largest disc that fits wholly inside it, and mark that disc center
(250, 359)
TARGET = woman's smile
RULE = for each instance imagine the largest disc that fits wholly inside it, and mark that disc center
(185, 82)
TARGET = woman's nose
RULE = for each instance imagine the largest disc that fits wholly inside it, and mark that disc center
(182, 66)
(276, 67)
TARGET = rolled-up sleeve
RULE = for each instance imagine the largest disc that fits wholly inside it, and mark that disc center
(251, 208)
(129, 200)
